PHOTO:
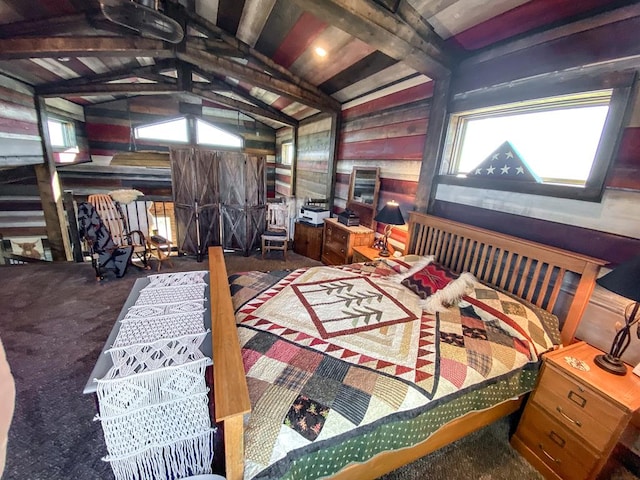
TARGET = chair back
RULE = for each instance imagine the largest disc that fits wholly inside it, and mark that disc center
(278, 218)
(111, 216)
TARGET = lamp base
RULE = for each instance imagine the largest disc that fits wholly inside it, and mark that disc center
(611, 364)
(385, 253)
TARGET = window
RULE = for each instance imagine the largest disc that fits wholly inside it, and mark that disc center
(209, 135)
(171, 131)
(177, 131)
(62, 134)
(561, 145)
(287, 153)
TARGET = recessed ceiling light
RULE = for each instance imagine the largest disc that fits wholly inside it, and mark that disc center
(321, 52)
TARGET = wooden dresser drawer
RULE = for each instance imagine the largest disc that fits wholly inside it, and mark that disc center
(554, 444)
(583, 411)
(330, 257)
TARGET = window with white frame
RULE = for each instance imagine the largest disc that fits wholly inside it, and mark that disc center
(207, 134)
(177, 131)
(564, 142)
(62, 134)
(170, 131)
(287, 153)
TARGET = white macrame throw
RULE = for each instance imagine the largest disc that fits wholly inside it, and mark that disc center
(153, 402)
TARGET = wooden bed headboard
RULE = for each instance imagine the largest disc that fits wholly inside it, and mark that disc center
(530, 270)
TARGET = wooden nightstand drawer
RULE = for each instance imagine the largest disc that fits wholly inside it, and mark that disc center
(577, 407)
(555, 445)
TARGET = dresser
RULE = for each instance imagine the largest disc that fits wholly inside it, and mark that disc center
(307, 240)
(339, 240)
(576, 414)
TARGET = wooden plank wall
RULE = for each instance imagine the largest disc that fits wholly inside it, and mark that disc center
(20, 142)
(314, 138)
(279, 175)
(21, 212)
(386, 130)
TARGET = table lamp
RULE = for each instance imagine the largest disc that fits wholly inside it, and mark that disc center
(391, 215)
(625, 281)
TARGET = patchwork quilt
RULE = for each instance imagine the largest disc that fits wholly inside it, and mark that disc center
(336, 354)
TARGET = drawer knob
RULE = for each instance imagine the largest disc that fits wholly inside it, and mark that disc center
(546, 454)
(575, 422)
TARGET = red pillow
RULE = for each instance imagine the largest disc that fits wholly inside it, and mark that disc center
(429, 280)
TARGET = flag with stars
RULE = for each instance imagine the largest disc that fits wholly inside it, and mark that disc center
(505, 163)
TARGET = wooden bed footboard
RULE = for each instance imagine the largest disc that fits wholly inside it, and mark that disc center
(231, 396)
(530, 270)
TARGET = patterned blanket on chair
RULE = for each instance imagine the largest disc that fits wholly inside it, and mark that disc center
(332, 351)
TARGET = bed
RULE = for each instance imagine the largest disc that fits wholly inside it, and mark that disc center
(545, 278)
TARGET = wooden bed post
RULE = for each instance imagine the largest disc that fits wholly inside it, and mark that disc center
(581, 300)
(231, 396)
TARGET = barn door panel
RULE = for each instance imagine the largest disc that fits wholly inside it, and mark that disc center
(242, 191)
(194, 176)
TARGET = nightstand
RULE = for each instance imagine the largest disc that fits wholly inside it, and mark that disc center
(366, 254)
(576, 414)
(340, 240)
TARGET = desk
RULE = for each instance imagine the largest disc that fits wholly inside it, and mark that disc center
(104, 363)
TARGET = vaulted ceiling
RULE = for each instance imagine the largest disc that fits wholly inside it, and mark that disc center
(260, 56)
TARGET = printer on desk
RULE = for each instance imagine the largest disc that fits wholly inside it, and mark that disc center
(313, 215)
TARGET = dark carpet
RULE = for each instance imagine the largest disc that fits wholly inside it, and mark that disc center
(54, 320)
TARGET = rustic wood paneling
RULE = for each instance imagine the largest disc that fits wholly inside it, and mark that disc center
(387, 132)
(523, 18)
(610, 247)
(314, 145)
(585, 47)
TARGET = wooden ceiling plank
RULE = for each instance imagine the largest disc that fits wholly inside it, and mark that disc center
(244, 107)
(254, 17)
(42, 47)
(429, 8)
(262, 60)
(215, 83)
(388, 33)
(222, 66)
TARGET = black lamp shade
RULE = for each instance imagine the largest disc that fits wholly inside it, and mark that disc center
(390, 214)
(624, 279)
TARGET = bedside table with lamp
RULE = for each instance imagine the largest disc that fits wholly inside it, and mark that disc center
(584, 398)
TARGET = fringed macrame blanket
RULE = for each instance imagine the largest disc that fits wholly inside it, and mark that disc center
(154, 400)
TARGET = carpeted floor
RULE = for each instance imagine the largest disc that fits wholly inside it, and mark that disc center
(54, 320)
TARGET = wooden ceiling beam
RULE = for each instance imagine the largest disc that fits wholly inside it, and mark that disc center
(142, 72)
(245, 51)
(229, 68)
(244, 107)
(106, 89)
(243, 94)
(422, 50)
(63, 24)
(43, 47)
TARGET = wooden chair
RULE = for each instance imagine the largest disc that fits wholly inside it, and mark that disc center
(115, 222)
(276, 235)
(161, 247)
